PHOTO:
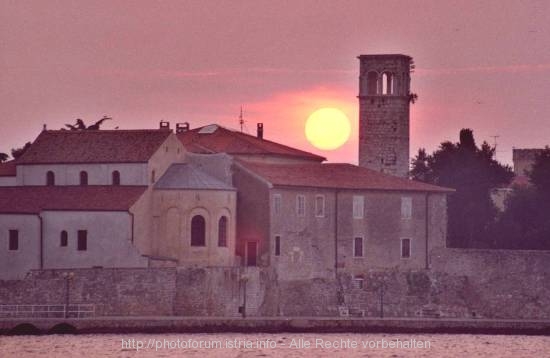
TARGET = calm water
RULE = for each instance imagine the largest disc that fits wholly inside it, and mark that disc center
(273, 345)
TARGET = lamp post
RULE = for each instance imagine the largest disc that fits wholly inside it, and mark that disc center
(382, 300)
(68, 277)
(244, 279)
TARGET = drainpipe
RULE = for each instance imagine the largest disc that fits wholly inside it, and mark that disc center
(41, 242)
(132, 223)
(426, 228)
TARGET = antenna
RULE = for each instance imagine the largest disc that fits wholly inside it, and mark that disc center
(241, 120)
(495, 143)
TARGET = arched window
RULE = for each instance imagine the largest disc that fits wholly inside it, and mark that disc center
(50, 178)
(372, 83)
(63, 239)
(387, 83)
(222, 232)
(198, 231)
(116, 177)
(83, 178)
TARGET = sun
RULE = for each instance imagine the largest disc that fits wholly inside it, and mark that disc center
(328, 128)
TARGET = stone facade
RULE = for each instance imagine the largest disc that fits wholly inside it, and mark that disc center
(523, 160)
(384, 89)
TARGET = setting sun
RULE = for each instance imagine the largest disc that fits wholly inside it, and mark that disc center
(327, 128)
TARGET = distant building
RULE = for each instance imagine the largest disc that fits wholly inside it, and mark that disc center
(523, 160)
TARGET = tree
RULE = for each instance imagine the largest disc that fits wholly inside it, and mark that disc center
(472, 172)
(80, 125)
(17, 152)
(4, 157)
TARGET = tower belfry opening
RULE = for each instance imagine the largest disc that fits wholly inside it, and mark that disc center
(384, 113)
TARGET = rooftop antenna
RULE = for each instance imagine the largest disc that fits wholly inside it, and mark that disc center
(241, 120)
(495, 143)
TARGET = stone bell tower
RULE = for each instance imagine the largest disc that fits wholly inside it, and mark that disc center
(384, 101)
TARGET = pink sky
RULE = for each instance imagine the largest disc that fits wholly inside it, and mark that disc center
(483, 65)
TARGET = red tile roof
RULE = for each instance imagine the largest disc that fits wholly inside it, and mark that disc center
(7, 169)
(88, 146)
(336, 176)
(223, 140)
(34, 199)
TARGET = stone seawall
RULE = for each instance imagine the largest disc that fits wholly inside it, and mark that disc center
(471, 284)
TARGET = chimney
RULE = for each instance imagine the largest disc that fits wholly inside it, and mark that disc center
(182, 127)
(260, 131)
(164, 125)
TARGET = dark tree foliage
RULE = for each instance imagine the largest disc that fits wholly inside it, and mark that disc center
(4, 157)
(525, 224)
(17, 152)
(472, 172)
(80, 125)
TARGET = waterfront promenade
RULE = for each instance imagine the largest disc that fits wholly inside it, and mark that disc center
(172, 324)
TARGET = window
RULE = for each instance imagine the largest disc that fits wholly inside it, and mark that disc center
(153, 177)
(387, 83)
(358, 247)
(198, 231)
(50, 178)
(277, 245)
(63, 239)
(277, 203)
(372, 83)
(82, 244)
(405, 248)
(357, 282)
(358, 206)
(116, 177)
(406, 207)
(320, 206)
(14, 240)
(300, 205)
(222, 232)
(83, 178)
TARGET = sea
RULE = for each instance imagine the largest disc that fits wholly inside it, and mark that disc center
(233, 345)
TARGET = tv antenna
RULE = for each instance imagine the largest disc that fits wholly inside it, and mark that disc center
(495, 143)
(241, 120)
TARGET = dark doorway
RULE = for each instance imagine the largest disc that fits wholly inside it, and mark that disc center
(251, 253)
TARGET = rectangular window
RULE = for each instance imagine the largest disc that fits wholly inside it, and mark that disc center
(14, 240)
(277, 245)
(358, 247)
(82, 240)
(405, 248)
(406, 207)
(357, 282)
(320, 206)
(301, 205)
(358, 206)
(277, 203)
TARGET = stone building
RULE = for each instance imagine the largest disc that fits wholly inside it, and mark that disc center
(215, 197)
(384, 100)
(123, 198)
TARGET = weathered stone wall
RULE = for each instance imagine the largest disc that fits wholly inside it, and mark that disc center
(460, 284)
(114, 292)
(213, 291)
(505, 283)
(384, 116)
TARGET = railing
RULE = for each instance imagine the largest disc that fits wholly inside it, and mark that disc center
(47, 311)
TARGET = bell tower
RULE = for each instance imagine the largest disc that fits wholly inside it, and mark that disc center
(384, 102)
